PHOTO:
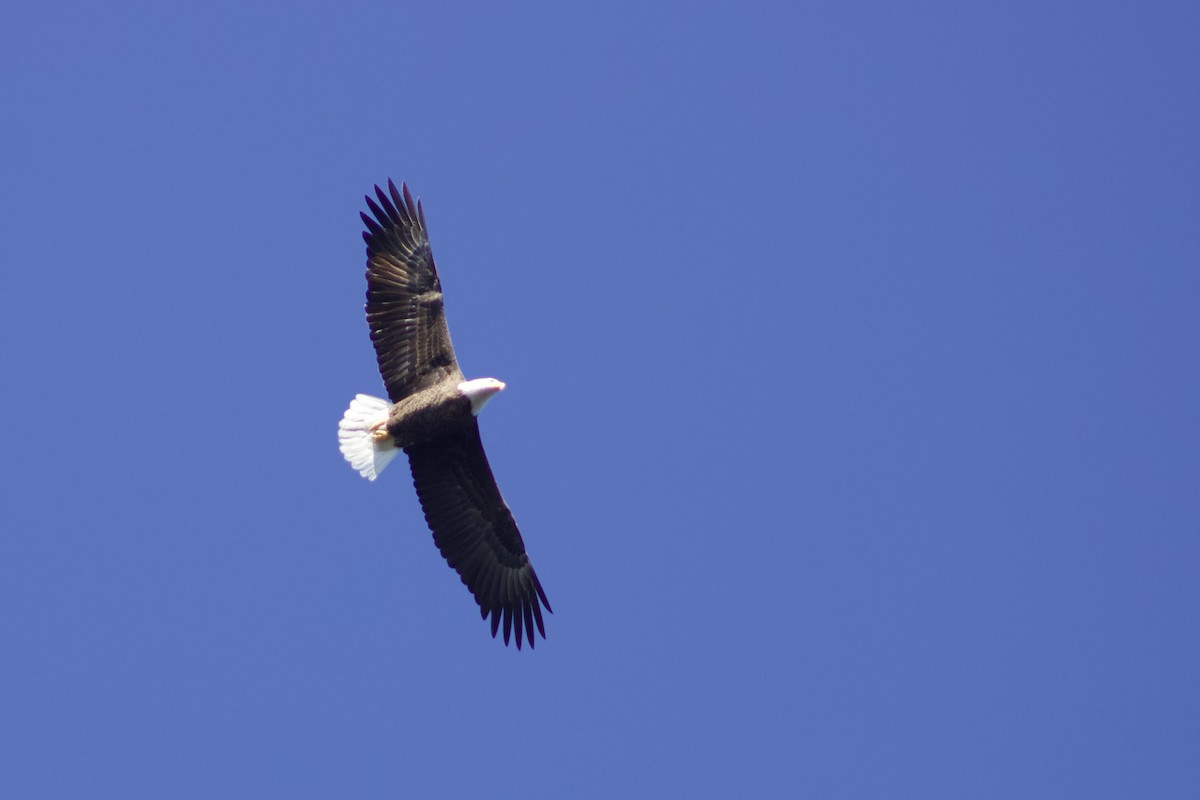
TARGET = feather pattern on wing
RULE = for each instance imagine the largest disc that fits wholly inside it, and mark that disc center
(475, 531)
(404, 297)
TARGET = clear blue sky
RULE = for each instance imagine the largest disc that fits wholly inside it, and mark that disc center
(853, 419)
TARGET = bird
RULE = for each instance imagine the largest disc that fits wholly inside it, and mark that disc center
(431, 414)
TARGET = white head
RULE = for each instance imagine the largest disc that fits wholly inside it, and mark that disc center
(479, 391)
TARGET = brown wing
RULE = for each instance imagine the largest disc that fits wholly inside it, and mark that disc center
(475, 531)
(404, 297)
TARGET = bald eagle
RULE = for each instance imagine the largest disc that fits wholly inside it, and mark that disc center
(431, 416)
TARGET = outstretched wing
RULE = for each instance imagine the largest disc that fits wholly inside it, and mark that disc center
(475, 531)
(404, 297)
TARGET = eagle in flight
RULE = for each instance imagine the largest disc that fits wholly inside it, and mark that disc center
(431, 414)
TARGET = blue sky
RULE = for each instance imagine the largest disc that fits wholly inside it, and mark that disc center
(852, 359)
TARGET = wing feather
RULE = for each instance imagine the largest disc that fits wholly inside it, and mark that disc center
(475, 531)
(404, 297)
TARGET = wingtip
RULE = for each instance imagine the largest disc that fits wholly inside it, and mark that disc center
(519, 623)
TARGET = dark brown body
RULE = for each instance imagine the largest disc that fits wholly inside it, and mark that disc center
(428, 414)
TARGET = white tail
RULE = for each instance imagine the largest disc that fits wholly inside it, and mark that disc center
(356, 437)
